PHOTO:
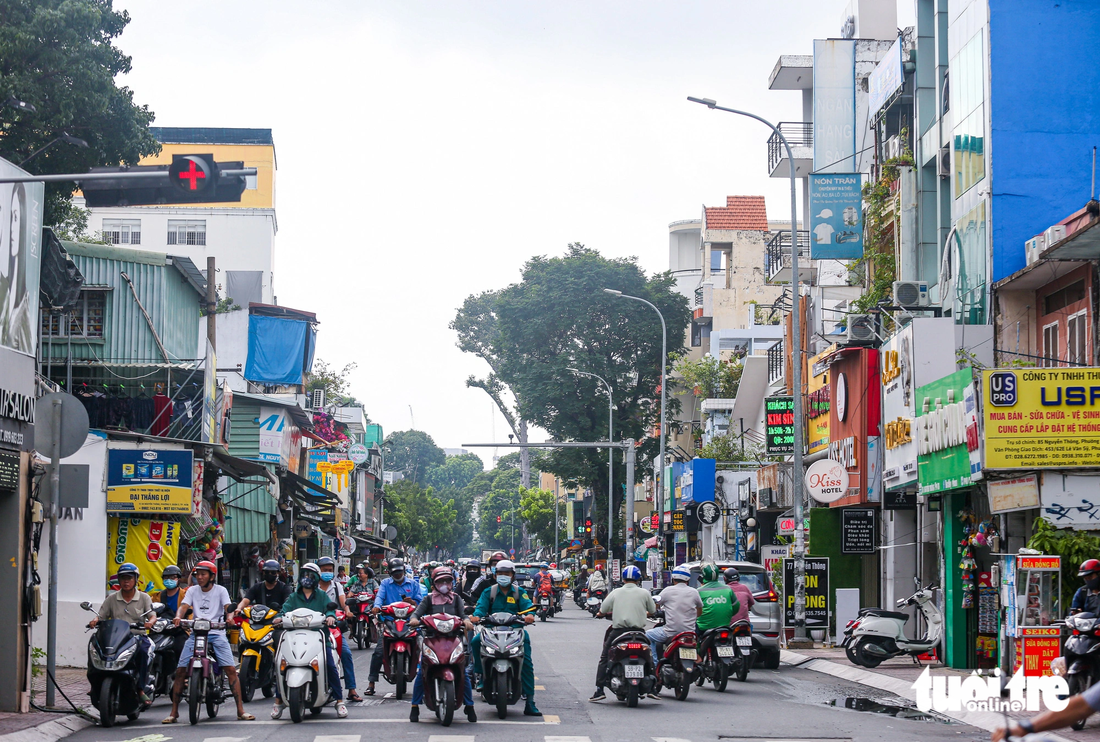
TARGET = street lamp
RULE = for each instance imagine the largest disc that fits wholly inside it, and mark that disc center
(659, 577)
(63, 137)
(796, 364)
(610, 466)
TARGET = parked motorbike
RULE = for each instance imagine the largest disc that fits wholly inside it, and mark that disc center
(595, 600)
(630, 670)
(545, 602)
(877, 635)
(164, 634)
(1082, 655)
(444, 658)
(676, 666)
(501, 660)
(257, 652)
(360, 625)
(207, 681)
(400, 649)
(112, 671)
(302, 677)
(717, 657)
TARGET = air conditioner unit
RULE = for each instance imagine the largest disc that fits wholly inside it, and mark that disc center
(317, 399)
(1054, 234)
(943, 161)
(1033, 247)
(861, 329)
(891, 148)
(910, 294)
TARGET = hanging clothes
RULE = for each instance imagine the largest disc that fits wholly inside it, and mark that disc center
(162, 414)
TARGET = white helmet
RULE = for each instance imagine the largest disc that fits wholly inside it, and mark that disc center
(507, 565)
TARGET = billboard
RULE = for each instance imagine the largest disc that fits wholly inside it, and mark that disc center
(779, 424)
(836, 216)
(150, 544)
(885, 79)
(817, 592)
(948, 455)
(834, 105)
(1044, 418)
(149, 481)
(21, 237)
(817, 403)
(900, 450)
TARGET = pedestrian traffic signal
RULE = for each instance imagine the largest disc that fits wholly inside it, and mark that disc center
(189, 179)
(193, 174)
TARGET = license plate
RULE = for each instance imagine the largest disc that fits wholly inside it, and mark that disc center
(688, 653)
(544, 601)
(744, 641)
(725, 651)
(634, 671)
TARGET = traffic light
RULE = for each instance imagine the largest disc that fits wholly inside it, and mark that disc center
(498, 519)
(190, 179)
(588, 525)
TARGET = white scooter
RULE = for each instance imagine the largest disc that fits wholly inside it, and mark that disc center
(301, 663)
(878, 635)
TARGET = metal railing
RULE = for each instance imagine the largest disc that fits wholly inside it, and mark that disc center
(777, 253)
(777, 362)
(699, 297)
(798, 134)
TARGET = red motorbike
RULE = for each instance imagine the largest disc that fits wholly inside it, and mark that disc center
(400, 649)
(544, 599)
(359, 617)
(444, 665)
(676, 668)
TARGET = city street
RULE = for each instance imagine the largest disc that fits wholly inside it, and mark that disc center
(785, 704)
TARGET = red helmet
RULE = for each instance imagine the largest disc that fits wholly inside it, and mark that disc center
(1088, 567)
(496, 556)
(442, 573)
(213, 569)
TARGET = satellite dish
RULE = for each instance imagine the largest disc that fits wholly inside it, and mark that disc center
(390, 533)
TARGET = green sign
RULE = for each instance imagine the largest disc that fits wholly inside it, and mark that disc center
(946, 431)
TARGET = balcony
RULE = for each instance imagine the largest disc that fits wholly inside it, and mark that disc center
(800, 135)
(777, 257)
(777, 363)
(703, 311)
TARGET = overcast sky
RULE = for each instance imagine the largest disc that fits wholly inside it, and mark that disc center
(427, 149)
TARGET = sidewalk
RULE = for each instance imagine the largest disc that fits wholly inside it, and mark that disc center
(897, 676)
(44, 726)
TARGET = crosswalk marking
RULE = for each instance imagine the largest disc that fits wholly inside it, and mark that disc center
(451, 738)
(540, 687)
(332, 738)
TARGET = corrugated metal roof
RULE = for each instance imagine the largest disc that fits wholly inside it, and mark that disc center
(190, 272)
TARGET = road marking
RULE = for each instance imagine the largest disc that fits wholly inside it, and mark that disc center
(329, 738)
(547, 720)
(451, 738)
(540, 687)
(227, 739)
(672, 739)
(567, 739)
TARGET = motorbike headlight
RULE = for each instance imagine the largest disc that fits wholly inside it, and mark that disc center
(430, 654)
(515, 651)
(456, 653)
(93, 657)
(160, 625)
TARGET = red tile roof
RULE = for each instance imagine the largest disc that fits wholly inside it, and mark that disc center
(740, 212)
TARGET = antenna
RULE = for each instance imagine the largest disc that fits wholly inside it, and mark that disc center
(1093, 191)
(412, 420)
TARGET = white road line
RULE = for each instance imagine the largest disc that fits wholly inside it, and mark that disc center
(225, 739)
(567, 739)
(674, 739)
(451, 738)
(331, 738)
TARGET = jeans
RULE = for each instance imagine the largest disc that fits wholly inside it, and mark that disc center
(375, 662)
(330, 670)
(418, 688)
(142, 658)
(657, 636)
(348, 663)
(216, 644)
(527, 675)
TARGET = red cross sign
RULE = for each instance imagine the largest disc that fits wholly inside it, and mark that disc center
(192, 173)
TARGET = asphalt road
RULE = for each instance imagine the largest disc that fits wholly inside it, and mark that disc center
(773, 705)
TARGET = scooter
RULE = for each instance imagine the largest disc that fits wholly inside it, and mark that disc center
(400, 649)
(302, 678)
(207, 681)
(580, 596)
(717, 657)
(1081, 654)
(746, 648)
(444, 658)
(257, 652)
(112, 671)
(360, 625)
(165, 654)
(676, 668)
(630, 670)
(595, 600)
(877, 635)
(545, 602)
(501, 660)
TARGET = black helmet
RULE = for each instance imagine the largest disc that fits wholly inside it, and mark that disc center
(270, 570)
(326, 562)
(732, 575)
(171, 571)
(397, 564)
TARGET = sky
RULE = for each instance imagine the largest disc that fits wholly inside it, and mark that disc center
(426, 150)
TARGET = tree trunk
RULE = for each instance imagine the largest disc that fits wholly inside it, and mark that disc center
(524, 455)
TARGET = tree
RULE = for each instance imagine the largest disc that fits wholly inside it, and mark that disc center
(536, 507)
(335, 383)
(496, 493)
(710, 377)
(414, 453)
(58, 56)
(455, 472)
(423, 521)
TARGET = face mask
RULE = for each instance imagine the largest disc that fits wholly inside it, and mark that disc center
(326, 576)
(308, 582)
(398, 577)
(444, 588)
(492, 570)
(170, 584)
(270, 578)
(1092, 582)
(504, 580)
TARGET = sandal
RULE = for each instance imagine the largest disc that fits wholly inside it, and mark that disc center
(355, 697)
(170, 720)
(246, 717)
(369, 691)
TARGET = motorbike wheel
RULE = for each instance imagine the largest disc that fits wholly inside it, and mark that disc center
(249, 680)
(214, 694)
(1077, 686)
(865, 659)
(743, 671)
(632, 696)
(850, 653)
(683, 687)
(361, 637)
(699, 680)
(194, 696)
(722, 676)
(268, 690)
(445, 704)
(399, 674)
(542, 617)
(502, 695)
(133, 715)
(315, 710)
(296, 702)
(108, 702)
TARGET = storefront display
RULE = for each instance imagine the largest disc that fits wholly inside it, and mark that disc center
(1031, 587)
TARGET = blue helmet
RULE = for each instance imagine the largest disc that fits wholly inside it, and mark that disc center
(681, 573)
(129, 568)
(544, 565)
(632, 574)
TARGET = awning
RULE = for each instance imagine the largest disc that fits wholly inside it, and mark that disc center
(650, 543)
(312, 496)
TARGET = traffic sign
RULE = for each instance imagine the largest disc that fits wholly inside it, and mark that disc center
(512, 552)
(575, 542)
(358, 453)
(193, 173)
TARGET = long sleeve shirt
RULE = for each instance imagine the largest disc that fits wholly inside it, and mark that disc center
(318, 601)
(392, 592)
(513, 600)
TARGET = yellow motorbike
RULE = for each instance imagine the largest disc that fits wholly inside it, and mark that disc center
(257, 652)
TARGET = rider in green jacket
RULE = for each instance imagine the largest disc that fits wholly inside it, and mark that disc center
(720, 603)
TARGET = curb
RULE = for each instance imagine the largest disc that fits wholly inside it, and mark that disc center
(986, 720)
(49, 731)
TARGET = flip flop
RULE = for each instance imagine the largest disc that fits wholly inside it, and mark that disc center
(369, 691)
(170, 720)
(246, 717)
(356, 698)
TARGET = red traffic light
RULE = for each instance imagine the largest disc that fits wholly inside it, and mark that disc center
(498, 519)
(193, 173)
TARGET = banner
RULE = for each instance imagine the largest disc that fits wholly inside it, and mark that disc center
(21, 235)
(149, 481)
(150, 544)
(817, 592)
(836, 216)
(834, 105)
(947, 434)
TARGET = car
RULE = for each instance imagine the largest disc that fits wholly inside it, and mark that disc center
(525, 574)
(766, 614)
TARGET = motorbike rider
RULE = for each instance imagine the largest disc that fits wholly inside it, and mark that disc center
(309, 595)
(580, 582)
(269, 591)
(171, 593)
(335, 591)
(363, 580)
(681, 605)
(1078, 707)
(209, 601)
(596, 581)
(743, 593)
(132, 606)
(629, 607)
(720, 602)
(487, 580)
(442, 599)
(1087, 597)
(507, 597)
(395, 588)
(472, 574)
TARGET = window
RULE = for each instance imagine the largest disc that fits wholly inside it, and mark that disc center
(86, 320)
(966, 98)
(1050, 345)
(1063, 297)
(186, 232)
(122, 231)
(1076, 340)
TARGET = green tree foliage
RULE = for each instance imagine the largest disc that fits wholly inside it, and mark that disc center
(496, 492)
(335, 382)
(455, 472)
(536, 508)
(414, 453)
(710, 378)
(59, 56)
(423, 521)
(1073, 546)
(728, 449)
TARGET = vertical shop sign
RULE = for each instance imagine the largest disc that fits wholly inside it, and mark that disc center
(779, 424)
(817, 592)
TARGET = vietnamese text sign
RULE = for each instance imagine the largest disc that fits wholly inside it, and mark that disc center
(834, 105)
(678, 520)
(947, 434)
(779, 424)
(149, 481)
(885, 79)
(817, 592)
(150, 544)
(857, 531)
(1041, 418)
(836, 216)
(1006, 495)
(900, 449)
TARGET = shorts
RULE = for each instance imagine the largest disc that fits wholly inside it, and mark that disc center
(216, 644)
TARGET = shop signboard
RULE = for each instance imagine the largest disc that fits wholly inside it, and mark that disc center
(772, 555)
(1070, 501)
(826, 481)
(817, 404)
(210, 396)
(358, 453)
(854, 417)
(1036, 647)
(948, 455)
(785, 526)
(280, 440)
(779, 425)
(315, 456)
(817, 592)
(885, 79)
(678, 520)
(149, 481)
(1044, 418)
(900, 447)
(150, 544)
(834, 86)
(1007, 495)
(21, 228)
(836, 216)
(857, 531)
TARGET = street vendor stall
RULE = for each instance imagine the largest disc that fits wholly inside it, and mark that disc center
(1031, 588)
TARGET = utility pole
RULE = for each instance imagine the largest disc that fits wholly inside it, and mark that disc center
(211, 304)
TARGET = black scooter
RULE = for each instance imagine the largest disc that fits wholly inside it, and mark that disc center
(166, 655)
(1082, 655)
(112, 669)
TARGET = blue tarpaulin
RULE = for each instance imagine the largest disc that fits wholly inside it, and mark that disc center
(280, 350)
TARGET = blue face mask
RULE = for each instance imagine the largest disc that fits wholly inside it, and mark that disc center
(504, 580)
(170, 584)
(326, 576)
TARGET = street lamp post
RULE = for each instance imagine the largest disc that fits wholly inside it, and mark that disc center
(659, 577)
(796, 365)
(610, 465)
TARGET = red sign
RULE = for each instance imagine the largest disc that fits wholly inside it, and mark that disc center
(1039, 562)
(785, 525)
(156, 530)
(654, 521)
(154, 552)
(1036, 648)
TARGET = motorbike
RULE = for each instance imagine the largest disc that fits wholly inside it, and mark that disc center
(676, 666)
(360, 625)
(501, 660)
(545, 602)
(875, 635)
(400, 649)
(444, 658)
(718, 657)
(112, 671)
(257, 652)
(580, 598)
(206, 683)
(595, 600)
(302, 677)
(747, 651)
(630, 670)
(1081, 655)
(165, 655)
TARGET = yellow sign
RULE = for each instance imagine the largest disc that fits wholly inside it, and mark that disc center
(817, 404)
(150, 544)
(338, 469)
(1041, 418)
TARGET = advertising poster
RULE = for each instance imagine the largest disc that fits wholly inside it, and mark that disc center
(210, 396)
(779, 424)
(817, 592)
(148, 481)
(899, 466)
(834, 105)
(1042, 418)
(1070, 501)
(817, 404)
(20, 263)
(885, 79)
(948, 454)
(836, 216)
(150, 544)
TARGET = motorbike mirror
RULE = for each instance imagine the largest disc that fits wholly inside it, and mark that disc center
(331, 606)
(157, 607)
(86, 606)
